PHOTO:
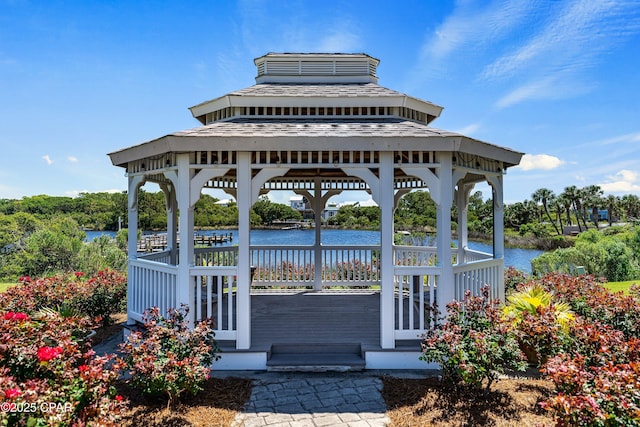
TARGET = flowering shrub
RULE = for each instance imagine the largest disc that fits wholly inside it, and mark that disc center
(475, 344)
(48, 378)
(598, 383)
(169, 358)
(588, 298)
(97, 297)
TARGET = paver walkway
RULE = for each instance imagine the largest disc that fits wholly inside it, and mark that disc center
(308, 399)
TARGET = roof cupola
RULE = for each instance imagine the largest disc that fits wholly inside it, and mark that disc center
(316, 68)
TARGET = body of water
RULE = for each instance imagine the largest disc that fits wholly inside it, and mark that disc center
(516, 257)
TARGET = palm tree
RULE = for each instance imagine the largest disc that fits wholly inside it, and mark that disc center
(546, 197)
(566, 203)
(612, 206)
(571, 193)
(593, 197)
(558, 207)
(631, 204)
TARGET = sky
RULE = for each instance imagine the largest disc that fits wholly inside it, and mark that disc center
(558, 80)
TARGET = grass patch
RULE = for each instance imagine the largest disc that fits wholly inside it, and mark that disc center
(620, 286)
(5, 286)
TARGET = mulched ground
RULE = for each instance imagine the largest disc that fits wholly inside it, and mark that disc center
(410, 402)
(216, 405)
(427, 402)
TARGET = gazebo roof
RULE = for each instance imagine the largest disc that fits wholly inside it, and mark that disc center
(320, 94)
(315, 134)
(316, 102)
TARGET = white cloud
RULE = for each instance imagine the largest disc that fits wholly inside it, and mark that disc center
(553, 87)
(47, 159)
(469, 129)
(572, 39)
(340, 40)
(469, 24)
(72, 159)
(630, 138)
(625, 181)
(539, 162)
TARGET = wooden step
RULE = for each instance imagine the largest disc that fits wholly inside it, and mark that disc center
(317, 357)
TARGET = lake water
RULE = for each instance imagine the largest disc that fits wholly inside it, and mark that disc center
(516, 257)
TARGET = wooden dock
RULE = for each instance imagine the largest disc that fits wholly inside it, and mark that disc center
(158, 242)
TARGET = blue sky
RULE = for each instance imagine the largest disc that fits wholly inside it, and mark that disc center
(558, 80)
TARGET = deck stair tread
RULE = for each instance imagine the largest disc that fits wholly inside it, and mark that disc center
(316, 357)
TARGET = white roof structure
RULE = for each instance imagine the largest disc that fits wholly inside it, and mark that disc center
(323, 101)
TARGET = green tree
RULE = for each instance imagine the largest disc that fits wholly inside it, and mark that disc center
(53, 248)
(269, 211)
(546, 197)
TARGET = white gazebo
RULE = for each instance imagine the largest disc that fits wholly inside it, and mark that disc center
(317, 125)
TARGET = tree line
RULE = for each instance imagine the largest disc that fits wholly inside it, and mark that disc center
(543, 215)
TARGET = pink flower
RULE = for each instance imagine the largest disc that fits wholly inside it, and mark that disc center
(47, 353)
(12, 393)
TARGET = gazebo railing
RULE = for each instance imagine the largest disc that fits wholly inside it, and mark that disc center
(350, 265)
(471, 255)
(417, 276)
(283, 265)
(163, 257)
(150, 284)
(475, 275)
(215, 296)
(291, 266)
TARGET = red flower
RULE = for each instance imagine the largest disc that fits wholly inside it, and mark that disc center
(79, 274)
(16, 316)
(119, 398)
(12, 393)
(47, 353)
(83, 368)
(24, 279)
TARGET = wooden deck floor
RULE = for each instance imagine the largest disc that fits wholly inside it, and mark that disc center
(315, 318)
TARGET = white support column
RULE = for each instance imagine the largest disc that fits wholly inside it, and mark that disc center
(498, 226)
(185, 292)
(318, 202)
(132, 230)
(243, 285)
(317, 206)
(171, 204)
(386, 202)
(498, 217)
(446, 290)
(462, 205)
